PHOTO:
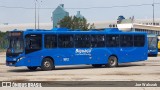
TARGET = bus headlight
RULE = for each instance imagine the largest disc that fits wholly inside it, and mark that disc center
(20, 59)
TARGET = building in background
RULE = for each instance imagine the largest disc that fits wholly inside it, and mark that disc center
(58, 14)
(78, 15)
(139, 25)
(131, 24)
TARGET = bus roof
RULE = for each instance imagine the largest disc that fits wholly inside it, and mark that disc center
(69, 31)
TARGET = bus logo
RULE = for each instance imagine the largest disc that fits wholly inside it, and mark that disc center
(83, 51)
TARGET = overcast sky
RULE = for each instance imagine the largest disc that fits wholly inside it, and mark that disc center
(19, 15)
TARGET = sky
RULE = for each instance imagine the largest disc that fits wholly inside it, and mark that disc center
(21, 15)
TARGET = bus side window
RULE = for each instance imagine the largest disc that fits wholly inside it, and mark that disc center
(112, 40)
(97, 40)
(126, 40)
(65, 41)
(82, 41)
(50, 41)
(33, 41)
(139, 40)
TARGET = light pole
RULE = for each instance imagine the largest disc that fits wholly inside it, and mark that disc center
(38, 15)
(38, 12)
(37, 5)
(153, 12)
(35, 14)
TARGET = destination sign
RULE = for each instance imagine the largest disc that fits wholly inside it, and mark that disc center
(15, 34)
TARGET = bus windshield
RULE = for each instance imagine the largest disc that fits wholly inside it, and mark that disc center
(152, 43)
(16, 45)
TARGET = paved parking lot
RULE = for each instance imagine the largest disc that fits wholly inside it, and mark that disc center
(138, 71)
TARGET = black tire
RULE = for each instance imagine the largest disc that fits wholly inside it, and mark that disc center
(153, 55)
(112, 61)
(47, 64)
(96, 65)
(32, 68)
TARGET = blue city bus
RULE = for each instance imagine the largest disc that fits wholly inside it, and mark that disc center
(59, 46)
(152, 45)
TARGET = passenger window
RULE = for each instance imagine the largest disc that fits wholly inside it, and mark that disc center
(97, 41)
(112, 40)
(126, 40)
(139, 40)
(65, 41)
(50, 41)
(82, 41)
(33, 41)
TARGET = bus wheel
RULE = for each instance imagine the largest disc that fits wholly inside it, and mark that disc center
(32, 68)
(96, 65)
(47, 64)
(112, 61)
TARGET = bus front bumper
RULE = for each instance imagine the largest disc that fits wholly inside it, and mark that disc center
(14, 61)
(152, 53)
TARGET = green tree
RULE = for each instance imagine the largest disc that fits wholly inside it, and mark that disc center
(92, 26)
(3, 41)
(74, 23)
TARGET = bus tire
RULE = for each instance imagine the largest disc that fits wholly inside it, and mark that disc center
(32, 68)
(47, 64)
(96, 65)
(112, 61)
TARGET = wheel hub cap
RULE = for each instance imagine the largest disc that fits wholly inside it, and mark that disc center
(46, 64)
